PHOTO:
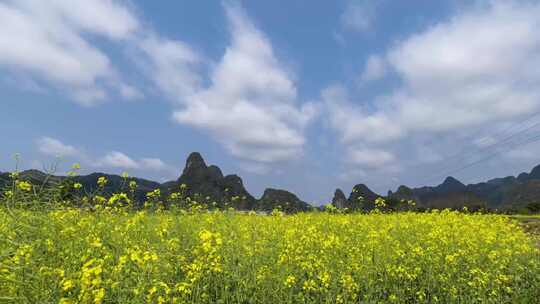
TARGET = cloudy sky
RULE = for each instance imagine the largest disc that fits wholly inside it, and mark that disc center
(302, 95)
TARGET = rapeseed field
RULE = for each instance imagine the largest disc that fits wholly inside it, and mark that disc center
(73, 255)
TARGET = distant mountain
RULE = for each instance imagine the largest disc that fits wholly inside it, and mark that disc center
(450, 194)
(450, 184)
(361, 197)
(505, 194)
(284, 200)
(207, 184)
(361, 194)
(4, 180)
(509, 193)
(115, 183)
(339, 200)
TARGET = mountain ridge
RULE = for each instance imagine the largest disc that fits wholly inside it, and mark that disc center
(208, 184)
(507, 193)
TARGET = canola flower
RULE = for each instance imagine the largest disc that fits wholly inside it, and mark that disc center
(74, 169)
(117, 198)
(8, 194)
(24, 186)
(153, 194)
(102, 256)
(102, 181)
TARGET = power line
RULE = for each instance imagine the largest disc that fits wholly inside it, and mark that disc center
(490, 156)
(494, 145)
(463, 156)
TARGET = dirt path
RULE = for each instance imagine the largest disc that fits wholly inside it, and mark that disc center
(531, 225)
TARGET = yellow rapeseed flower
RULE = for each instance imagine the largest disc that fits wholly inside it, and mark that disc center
(24, 186)
(290, 281)
(67, 285)
(102, 181)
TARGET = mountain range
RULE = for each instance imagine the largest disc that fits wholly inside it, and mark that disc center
(508, 193)
(208, 184)
(205, 184)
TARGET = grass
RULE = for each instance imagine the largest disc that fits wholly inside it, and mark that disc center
(77, 256)
(531, 224)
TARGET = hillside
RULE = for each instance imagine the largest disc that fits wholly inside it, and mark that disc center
(207, 184)
(509, 193)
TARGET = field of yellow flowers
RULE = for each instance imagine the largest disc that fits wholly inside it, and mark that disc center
(77, 256)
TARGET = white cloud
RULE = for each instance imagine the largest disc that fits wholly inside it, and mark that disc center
(117, 159)
(480, 67)
(477, 70)
(359, 15)
(352, 174)
(427, 155)
(49, 41)
(370, 158)
(54, 147)
(248, 103)
(523, 153)
(173, 66)
(251, 104)
(153, 164)
(353, 121)
(462, 73)
(23, 83)
(114, 159)
(130, 93)
(375, 69)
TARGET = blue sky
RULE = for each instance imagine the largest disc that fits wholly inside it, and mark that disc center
(302, 95)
